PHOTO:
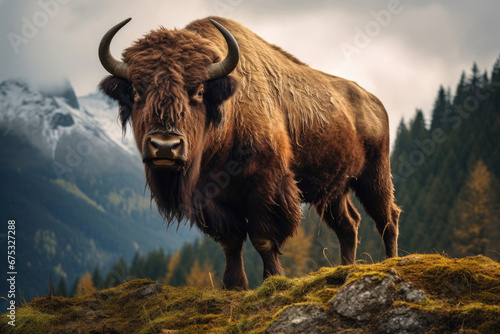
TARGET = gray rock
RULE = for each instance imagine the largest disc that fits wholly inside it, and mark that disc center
(300, 319)
(410, 293)
(402, 320)
(151, 290)
(363, 298)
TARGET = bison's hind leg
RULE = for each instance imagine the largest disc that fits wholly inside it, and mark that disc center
(375, 191)
(341, 216)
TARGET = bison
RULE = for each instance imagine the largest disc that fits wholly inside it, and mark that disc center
(236, 133)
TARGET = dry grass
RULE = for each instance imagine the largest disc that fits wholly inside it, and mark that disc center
(465, 293)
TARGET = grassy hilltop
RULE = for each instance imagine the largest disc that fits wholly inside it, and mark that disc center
(425, 293)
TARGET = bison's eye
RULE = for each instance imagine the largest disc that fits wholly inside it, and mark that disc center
(136, 93)
(197, 96)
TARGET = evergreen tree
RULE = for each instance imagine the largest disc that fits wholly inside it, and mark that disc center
(74, 287)
(155, 264)
(475, 79)
(432, 219)
(62, 291)
(137, 266)
(403, 139)
(117, 275)
(495, 83)
(97, 278)
(429, 193)
(402, 146)
(441, 106)
(418, 129)
(460, 92)
(484, 79)
(496, 70)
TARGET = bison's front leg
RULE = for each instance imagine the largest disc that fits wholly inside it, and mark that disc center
(234, 274)
(274, 215)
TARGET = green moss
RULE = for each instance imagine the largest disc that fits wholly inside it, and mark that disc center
(463, 294)
(241, 326)
(481, 308)
(322, 296)
(136, 284)
(374, 275)
(272, 285)
(30, 320)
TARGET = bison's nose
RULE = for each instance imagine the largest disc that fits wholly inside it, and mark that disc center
(164, 150)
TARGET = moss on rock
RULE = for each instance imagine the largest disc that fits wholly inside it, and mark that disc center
(461, 294)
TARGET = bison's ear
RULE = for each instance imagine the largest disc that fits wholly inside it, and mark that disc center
(216, 92)
(121, 91)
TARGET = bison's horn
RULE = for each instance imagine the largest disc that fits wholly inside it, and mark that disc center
(113, 66)
(219, 70)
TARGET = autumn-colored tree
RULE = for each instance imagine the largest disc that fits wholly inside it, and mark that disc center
(476, 214)
(85, 286)
(296, 253)
(200, 275)
(172, 265)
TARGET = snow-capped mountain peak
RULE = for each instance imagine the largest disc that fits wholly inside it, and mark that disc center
(43, 118)
(105, 112)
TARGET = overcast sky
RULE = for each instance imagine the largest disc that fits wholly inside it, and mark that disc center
(399, 50)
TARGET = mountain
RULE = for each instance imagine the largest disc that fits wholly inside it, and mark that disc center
(60, 89)
(75, 189)
(105, 112)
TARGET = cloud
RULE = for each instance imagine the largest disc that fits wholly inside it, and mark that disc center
(424, 45)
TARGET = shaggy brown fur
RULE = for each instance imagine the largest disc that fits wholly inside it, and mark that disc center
(262, 140)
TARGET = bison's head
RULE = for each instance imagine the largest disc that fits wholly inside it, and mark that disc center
(172, 86)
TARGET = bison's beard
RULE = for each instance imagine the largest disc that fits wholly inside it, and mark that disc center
(173, 191)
